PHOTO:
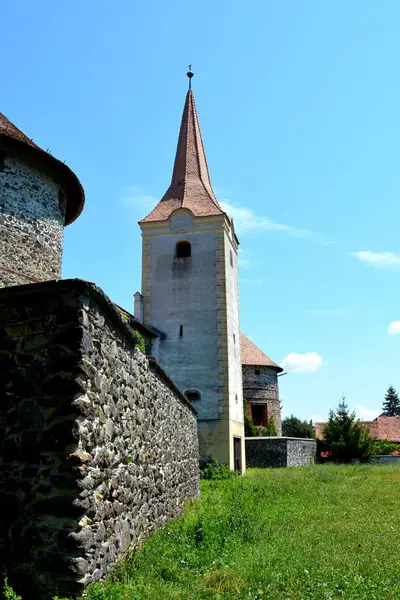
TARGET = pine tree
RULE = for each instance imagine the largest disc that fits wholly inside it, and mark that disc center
(345, 437)
(391, 404)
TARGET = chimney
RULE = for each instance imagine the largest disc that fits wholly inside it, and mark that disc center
(138, 307)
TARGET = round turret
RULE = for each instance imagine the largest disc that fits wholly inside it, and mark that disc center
(260, 385)
(39, 195)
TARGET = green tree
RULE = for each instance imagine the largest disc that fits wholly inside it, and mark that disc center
(270, 429)
(250, 430)
(345, 437)
(294, 427)
(391, 404)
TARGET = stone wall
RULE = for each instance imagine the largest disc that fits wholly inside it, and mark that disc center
(260, 386)
(274, 452)
(32, 215)
(97, 446)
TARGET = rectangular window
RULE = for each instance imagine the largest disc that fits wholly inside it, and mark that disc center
(181, 331)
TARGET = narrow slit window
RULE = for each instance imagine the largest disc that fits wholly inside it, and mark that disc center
(180, 330)
(2, 159)
(231, 257)
(183, 250)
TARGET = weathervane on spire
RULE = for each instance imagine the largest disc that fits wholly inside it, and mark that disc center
(190, 75)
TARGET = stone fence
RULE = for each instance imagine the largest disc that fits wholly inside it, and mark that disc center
(97, 446)
(279, 452)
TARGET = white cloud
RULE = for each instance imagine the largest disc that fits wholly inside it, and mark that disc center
(302, 363)
(317, 419)
(365, 414)
(394, 328)
(379, 260)
(245, 220)
(135, 196)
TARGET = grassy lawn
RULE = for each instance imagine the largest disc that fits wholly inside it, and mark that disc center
(323, 532)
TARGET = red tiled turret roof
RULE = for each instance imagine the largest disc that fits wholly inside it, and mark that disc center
(190, 186)
(252, 355)
(14, 140)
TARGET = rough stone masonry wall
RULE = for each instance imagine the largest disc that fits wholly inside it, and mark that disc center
(32, 215)
(97, 446)
(278, 452)
(262, 388)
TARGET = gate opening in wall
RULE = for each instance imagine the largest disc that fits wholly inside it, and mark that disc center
(237, 454)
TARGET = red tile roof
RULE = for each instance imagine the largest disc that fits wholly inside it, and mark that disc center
(253, 356)
(14, 140)
(190, 186)
(383, 428)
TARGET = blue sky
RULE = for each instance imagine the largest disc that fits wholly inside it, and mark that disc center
(300, 113)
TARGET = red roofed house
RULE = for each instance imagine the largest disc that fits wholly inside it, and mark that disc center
(382, 428)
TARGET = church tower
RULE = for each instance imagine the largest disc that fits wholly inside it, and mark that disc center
(190, 293)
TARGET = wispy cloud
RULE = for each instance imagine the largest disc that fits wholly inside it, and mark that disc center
(246, 220)
(379, 260)
(394, 328)
(309, 362)
(328, 312)
(134, 195)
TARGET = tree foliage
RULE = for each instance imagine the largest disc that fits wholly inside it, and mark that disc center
(294, 427)
(391, 404)
(250, 430)
(345, 438)
(270, 429)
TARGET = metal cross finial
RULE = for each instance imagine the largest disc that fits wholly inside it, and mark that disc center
(190, 75)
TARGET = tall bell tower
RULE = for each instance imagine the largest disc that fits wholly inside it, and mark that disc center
(190, 293)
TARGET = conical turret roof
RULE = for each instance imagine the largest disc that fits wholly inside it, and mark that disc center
(251, 355)
(190, 185)
(13, 140)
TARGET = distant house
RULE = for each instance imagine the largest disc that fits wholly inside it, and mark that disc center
(381, 428)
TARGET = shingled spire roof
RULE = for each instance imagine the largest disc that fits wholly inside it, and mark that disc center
(251, 355)
(190, 186)
(15, 142)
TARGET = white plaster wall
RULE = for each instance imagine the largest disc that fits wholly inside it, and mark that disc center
(234, 359)
(183, 292)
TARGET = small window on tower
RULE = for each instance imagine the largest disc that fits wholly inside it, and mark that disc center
(231, 257)
(193, 395)
(257, 371)
(183, 250)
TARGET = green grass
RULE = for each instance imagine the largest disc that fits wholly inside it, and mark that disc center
(320, 533)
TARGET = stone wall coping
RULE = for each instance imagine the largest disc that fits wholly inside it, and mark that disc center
(83, 287)
(160, 371)
(278, 438)
(87, 288)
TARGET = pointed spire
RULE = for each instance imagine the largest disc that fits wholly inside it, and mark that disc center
(190, 185)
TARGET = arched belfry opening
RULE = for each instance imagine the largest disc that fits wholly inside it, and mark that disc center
(183, 250)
